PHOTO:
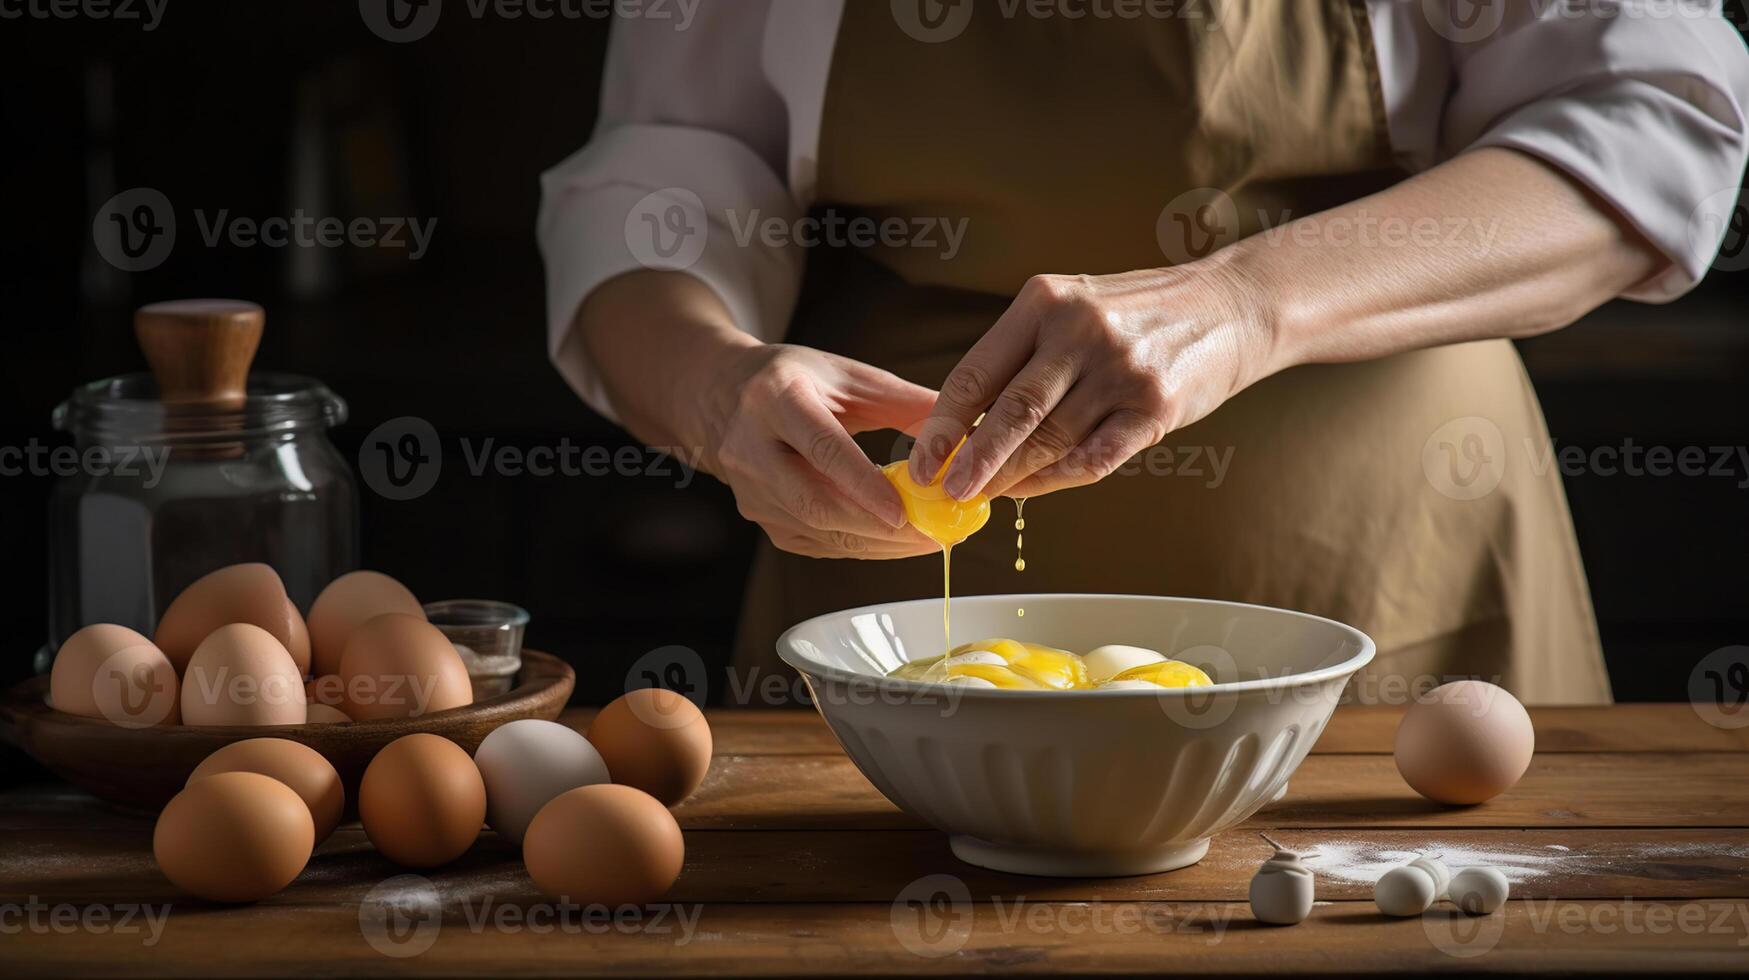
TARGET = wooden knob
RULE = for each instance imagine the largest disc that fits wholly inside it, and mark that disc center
(200, 349)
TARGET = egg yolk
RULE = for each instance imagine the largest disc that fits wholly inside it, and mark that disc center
(946, 669)
(1047, 666)
(1167, 673)
(941, 518)
(1015, 665)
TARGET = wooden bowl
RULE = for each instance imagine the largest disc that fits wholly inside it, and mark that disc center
(142, 768)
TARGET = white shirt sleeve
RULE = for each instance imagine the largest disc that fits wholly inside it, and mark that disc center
(684, 163)
(1641, 101)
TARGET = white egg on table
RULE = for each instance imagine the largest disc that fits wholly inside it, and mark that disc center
(1479, 891)
(1106, 662)
(527, 763)
(1405, 890)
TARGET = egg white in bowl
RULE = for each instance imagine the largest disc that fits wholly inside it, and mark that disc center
(1080, 783)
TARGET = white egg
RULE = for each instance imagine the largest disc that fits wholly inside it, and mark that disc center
(525, 764)
(1405, 890)
(1479, 891)
(1436, 869)
(1106, 662)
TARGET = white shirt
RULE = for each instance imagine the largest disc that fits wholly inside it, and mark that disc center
(1642, 101)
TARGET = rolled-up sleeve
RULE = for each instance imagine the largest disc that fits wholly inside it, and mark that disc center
(682, 171)
(1643, 103)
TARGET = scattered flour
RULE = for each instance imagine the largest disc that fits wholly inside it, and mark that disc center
(1357, 861)
(1349, 859)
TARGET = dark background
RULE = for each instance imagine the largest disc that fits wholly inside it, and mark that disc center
(214, 105)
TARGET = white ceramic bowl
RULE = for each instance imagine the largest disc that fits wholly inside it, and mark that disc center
(1082, 783)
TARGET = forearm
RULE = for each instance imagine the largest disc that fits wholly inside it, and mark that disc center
(1490, 244)
(658, 341)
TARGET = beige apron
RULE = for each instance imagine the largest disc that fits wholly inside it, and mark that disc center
(1365, 492)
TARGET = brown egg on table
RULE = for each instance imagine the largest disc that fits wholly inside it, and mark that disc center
(422, 801)
(348, 603)
(234, 837)
(248, 593)
(295, 764)
(316, 713)
(113, 673)
(241, 675)
(400, 666)
(1464, 742)
(655, 740)
(604, 845)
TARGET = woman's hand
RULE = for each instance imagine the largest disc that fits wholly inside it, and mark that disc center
(1083, 372)
(772, 421)
(786, 416)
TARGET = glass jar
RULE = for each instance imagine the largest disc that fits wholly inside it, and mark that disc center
(168, 493)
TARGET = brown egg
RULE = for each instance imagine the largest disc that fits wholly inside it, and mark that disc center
(348, 603)
(422, 801)
(604, 845)
(316, 713)
(248, 593)
(114, 673)
(655, 740)
(295, 764)
(234, 837)
(241, 675)
(399, 666)
(1464, 742)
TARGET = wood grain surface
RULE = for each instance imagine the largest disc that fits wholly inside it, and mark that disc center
(1628, 844)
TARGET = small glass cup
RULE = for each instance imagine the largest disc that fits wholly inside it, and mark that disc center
(488, 636)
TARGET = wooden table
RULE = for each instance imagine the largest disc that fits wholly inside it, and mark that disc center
(1630, 834)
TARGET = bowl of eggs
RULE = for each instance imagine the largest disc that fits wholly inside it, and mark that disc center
(1116, 737)
(129, 717)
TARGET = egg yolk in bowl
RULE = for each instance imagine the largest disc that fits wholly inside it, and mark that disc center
(1014, 665)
